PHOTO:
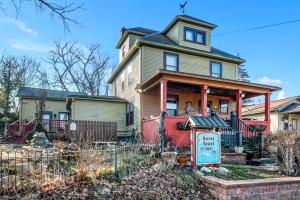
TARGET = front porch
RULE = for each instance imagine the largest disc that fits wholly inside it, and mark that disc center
(181, 96)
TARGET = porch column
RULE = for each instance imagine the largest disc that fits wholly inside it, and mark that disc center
(267, 106)
(204, 100)
(238, 99)
(163, 95)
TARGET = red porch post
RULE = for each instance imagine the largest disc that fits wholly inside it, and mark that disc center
(238, 100)
(163, 95)
(204, 100)
(267, 106)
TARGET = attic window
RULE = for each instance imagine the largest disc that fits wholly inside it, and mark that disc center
(194, 36)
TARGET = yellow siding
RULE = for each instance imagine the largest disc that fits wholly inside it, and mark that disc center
(130, 93)
(28, 108)
(181, 26)
(173, 33)
(101, 111)
(152, 60)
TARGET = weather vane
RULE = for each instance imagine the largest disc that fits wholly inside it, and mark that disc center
(182, 7)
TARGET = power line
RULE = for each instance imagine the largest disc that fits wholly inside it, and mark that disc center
(259, 27)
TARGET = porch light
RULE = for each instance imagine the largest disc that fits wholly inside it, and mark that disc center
(207, 91)
(139, 90)
(243, 95)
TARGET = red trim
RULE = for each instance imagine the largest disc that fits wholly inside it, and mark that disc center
(238, 100)
(204, 100)
(267, 106)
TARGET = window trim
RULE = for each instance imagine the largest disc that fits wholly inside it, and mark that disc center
(210, 68)
(220, 103)
(177, 100)
(165, 60)
(195, 32)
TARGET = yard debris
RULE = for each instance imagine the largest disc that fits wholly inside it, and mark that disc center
(169, 184)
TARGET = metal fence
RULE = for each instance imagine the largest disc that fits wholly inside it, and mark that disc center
(28, 168)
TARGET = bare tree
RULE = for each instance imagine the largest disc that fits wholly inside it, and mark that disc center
(15, 72)
(83, 69)
(62, 10)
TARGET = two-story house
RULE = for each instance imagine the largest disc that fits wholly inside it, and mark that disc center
(177, 71)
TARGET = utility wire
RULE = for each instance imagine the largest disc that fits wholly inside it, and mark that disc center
(259, 27)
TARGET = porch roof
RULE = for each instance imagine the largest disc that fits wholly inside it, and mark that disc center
(205, 122)
(193, 79)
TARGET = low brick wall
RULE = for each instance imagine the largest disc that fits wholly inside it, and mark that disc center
(234, 158)
(274, 188)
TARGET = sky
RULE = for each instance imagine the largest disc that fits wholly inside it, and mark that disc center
(272, 54)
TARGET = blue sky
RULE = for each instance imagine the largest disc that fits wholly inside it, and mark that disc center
(272, 54)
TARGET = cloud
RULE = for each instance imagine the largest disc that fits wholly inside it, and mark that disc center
(281, 95)
(22, 26)
(268, 81)
(30, 46)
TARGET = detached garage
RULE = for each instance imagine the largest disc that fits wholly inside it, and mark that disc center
(99, 108)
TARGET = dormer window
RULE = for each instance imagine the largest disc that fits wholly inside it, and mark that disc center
(123, 51)
(194, 36)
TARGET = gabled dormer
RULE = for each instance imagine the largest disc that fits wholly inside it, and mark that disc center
(190, 32)
(128, 37)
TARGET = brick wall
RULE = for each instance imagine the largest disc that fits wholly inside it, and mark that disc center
(275, 188)
(234, 158)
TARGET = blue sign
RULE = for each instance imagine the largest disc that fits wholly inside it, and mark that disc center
(208, 148)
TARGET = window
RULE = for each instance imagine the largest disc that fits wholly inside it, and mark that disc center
(123, 51)
(194, 35)
(172, 105)
(216, 69)
(171, 61)
(223, 107)
(122, 81)
(200, 37)
(129, 113)
(129, 75)
(189, 35)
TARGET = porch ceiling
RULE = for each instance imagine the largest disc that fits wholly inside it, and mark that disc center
(218, 86)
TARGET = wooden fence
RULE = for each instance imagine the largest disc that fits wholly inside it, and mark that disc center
(86, 131)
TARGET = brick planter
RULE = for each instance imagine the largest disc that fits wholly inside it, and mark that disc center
(274, 188)
(234, 158)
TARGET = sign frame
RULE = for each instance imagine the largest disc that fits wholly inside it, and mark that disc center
(197, 152)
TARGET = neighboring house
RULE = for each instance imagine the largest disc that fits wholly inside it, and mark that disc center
(55, 103)
(177, 71)
(285, 114)
(63, 105)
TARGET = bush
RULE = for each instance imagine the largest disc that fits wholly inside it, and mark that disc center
(38, 127)
(284, 147)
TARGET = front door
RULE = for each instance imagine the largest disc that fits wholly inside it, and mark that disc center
(46, 117)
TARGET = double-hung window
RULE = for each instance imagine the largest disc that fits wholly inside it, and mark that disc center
(122, 81)
(129, 75)
(216, 69)
(172, 105)
(194, 36)
(129, 113)
(224, 106)
(171, 61)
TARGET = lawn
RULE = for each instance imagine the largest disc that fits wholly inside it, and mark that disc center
(239, 172)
